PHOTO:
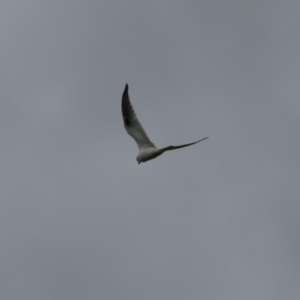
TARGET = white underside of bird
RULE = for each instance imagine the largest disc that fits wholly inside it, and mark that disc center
(147, 150)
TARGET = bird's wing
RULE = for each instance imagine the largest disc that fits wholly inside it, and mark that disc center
(132, 124)
(181, 146)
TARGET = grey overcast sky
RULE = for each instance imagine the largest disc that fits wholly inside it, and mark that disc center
(80, 219)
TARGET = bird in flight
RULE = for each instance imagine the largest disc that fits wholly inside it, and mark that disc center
(147, 150)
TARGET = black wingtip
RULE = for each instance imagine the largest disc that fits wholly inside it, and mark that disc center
(203, 139)
(125, 90)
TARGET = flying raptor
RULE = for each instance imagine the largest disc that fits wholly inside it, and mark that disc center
(147, 150)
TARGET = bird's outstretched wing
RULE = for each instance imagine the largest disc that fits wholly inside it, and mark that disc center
(181, 146)
(132, 124)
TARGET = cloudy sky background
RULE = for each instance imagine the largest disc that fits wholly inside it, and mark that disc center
(79, 219)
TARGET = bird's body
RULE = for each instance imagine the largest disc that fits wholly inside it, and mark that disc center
(147, 150)
(148, 153)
